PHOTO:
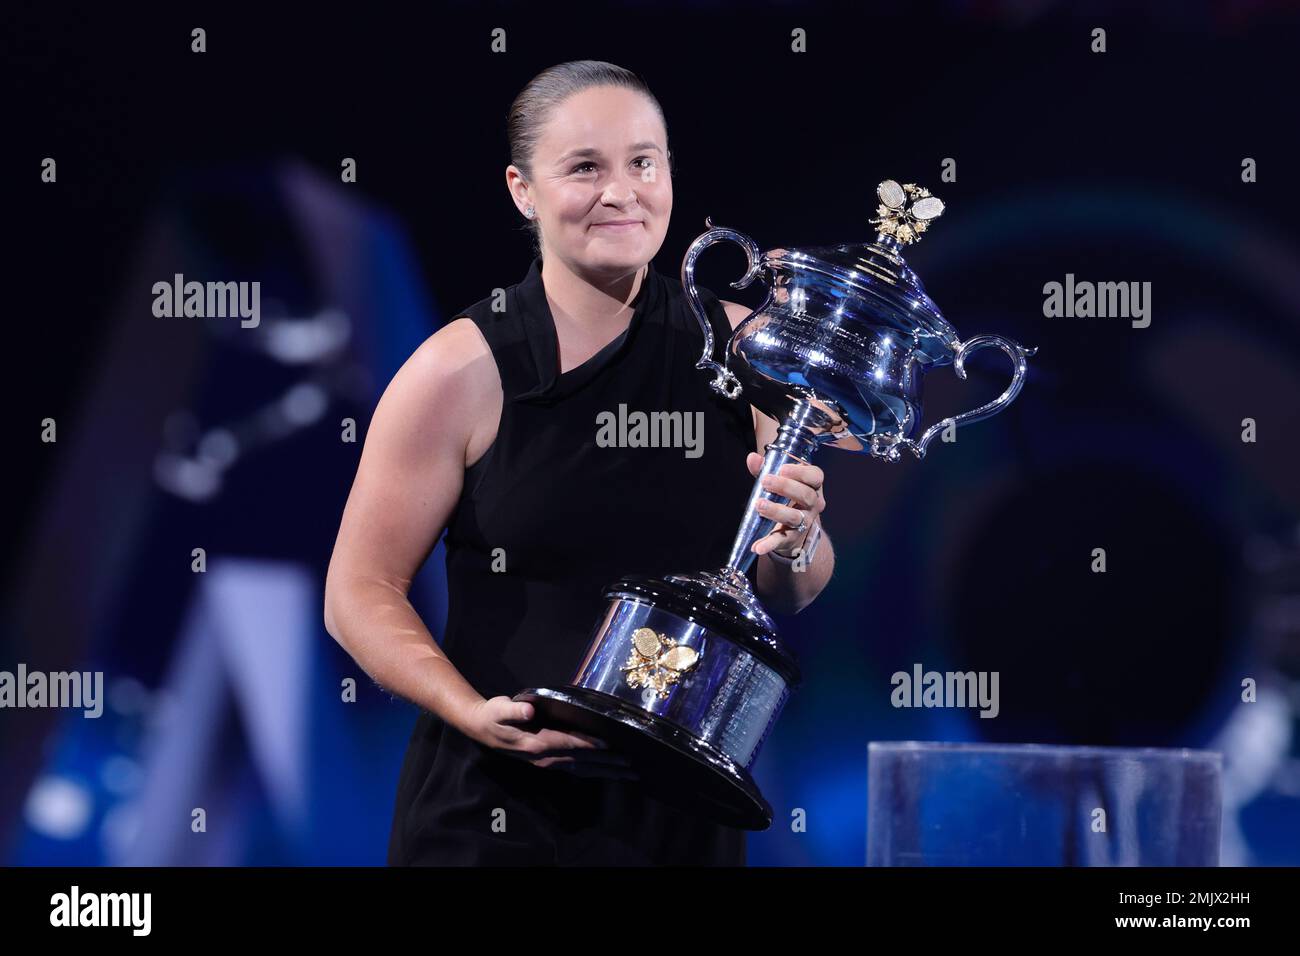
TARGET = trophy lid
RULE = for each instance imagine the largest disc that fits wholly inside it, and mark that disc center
(876, 273)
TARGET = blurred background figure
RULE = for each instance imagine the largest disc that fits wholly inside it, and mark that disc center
(222, 694)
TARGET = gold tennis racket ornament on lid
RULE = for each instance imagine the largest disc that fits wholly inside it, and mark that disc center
(905, 211)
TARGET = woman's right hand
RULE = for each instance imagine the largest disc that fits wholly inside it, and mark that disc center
(494, 723)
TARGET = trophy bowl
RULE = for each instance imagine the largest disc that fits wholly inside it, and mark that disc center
(685, 674)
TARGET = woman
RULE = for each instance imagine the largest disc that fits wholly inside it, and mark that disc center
(489, 432)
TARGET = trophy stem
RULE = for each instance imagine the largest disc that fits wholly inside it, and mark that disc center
(795, 441)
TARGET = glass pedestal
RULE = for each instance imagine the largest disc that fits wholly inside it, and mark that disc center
(965, 804)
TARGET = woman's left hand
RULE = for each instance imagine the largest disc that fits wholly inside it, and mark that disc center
(802, 484)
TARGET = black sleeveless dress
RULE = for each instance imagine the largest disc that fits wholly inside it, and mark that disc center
(571, 515)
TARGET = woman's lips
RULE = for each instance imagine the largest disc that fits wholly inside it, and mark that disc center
(617, 226)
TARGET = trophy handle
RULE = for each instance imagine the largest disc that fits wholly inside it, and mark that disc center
(725, 381)
(1018, 355)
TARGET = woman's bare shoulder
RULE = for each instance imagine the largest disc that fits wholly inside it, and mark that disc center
(450, 381)
(735, 312)
(456, 359)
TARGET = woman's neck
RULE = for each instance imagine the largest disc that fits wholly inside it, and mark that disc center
(593, 306)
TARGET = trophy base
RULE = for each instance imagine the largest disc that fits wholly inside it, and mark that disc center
(675, 767)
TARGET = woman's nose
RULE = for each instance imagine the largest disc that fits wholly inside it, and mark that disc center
(616, 196)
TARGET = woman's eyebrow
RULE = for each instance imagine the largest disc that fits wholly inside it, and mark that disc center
(593, 151)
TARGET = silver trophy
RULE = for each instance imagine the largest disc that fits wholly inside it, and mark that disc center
(685, 674)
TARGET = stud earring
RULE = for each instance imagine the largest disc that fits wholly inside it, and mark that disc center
(530, 212)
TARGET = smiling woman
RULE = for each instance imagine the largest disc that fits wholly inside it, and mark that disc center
(492, 431)
(590, 168)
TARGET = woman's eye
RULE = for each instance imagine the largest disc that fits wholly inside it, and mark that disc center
(648, 160)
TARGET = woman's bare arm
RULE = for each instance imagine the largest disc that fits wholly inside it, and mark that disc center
(407, 483)
(427, 427)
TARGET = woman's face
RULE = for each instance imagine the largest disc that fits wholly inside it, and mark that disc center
(601, 185)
